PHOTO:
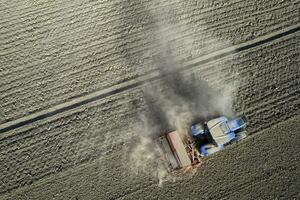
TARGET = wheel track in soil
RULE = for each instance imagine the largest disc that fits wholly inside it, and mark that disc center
(139, 81)
(5, 147)
(68, 152)
(68, 155)
(260, 99)
(53, 98)
(229, 79)
(210, 73)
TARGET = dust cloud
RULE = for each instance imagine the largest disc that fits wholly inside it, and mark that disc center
(179, 98)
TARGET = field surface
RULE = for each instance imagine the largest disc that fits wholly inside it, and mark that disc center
(72, 89)
(240, 172)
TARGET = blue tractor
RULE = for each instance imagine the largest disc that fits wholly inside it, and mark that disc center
(214, 135)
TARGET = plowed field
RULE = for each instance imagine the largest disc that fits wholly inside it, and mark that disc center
(72, 84)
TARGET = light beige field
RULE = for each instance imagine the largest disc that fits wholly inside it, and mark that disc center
(72, 89)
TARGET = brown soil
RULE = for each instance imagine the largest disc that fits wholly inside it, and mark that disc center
(54, 55)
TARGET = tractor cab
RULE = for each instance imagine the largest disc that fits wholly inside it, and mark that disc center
(219, 132)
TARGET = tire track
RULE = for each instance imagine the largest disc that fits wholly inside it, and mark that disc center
(38, 79)
(134, 83)
(49, 157)
(29, 133)
(210, 73)
(116, 104)
(31, 86)
(24, 91)
(26, 135)
(258, 84)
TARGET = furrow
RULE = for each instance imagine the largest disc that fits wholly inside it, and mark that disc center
(296, 29)
(226, 16)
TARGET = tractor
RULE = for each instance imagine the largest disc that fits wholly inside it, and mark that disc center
(180, 150)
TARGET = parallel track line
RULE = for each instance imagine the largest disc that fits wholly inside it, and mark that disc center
(134, 83)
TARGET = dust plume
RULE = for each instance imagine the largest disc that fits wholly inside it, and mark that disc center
(180, 97)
